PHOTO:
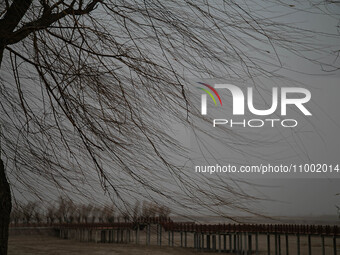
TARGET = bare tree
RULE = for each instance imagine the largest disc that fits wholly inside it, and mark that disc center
(16, 214)
(88, 88)
(72, 215)
(51, 214)
(37, 215)
(164, 211)
(66, 210)
(126, 216)
(107, 214)
(86, 212)
(28, 211)
(136, 211)
(149, 209)
(96, 214)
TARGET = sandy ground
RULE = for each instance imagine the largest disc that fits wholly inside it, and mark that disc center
(42, 244)
(37, 245)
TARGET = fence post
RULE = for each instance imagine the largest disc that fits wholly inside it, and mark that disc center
(287, 245)
(238, 243)
(200, 238)
(298, 243)
(208, 242)
(172, 238)
(160, 235)
(257, 243)
(276, 246)
(268, 243)
(309, 245)
(250, 244)
(214, 242)
(279, 243)
(157, 234)
(323, 244)
(224, 242)
(137, 234)
(97, 234)
(149, 233)
(240, 235)
(127, 235)
(219, 242)
(181, 239)
(195, 241)
(245, 249)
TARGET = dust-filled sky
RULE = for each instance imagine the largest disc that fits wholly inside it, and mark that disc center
(315, 140)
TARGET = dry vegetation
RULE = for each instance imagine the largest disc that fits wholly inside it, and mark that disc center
(68, 211)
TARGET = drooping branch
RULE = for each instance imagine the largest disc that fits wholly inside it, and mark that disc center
(11, 19)
(114, 82)
(13, 16)
(46, 20)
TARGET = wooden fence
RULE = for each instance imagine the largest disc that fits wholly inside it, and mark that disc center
(229, 238)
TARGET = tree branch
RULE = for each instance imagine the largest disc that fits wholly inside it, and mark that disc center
(13, 16)
(46, 20)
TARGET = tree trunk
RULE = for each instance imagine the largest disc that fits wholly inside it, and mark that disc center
(2, 48)
(5, 209)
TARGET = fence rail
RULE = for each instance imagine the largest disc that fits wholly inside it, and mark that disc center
(268, 239)
(215, 228)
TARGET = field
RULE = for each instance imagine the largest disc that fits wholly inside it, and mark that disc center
(38, 245)
(43, 244)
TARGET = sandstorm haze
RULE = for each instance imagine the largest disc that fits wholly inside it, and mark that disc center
(101, 117)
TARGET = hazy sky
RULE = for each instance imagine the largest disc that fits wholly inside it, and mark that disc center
(315, 140)
(314, 196)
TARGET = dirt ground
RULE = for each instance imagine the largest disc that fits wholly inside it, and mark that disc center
(41, 244)
(38, 245)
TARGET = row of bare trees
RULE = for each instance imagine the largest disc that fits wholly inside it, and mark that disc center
(67, 211)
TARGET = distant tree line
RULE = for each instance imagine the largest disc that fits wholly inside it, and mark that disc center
(67, 211)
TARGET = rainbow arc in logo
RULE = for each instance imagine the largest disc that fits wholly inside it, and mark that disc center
(209, 93)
